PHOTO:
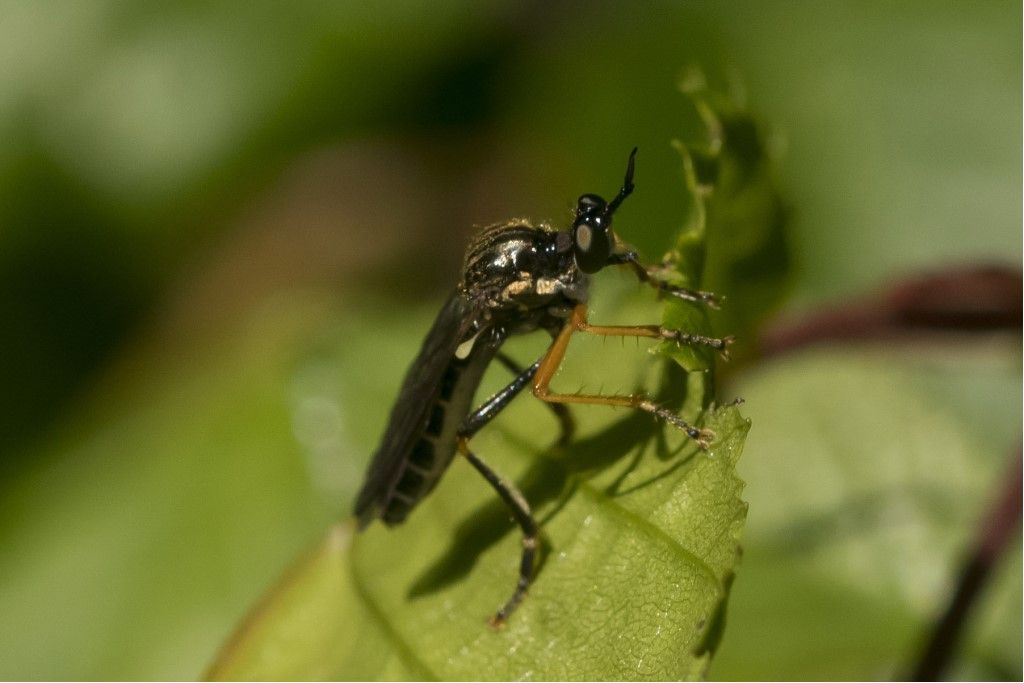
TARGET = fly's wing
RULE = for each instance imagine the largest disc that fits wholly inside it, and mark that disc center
(409, 414)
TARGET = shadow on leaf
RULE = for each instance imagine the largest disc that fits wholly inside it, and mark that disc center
(554, 476)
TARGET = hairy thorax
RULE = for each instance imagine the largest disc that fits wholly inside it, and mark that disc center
(515, 269)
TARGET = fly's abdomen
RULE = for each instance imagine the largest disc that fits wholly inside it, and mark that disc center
(432, 448)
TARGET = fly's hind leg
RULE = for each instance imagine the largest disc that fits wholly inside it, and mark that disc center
(578, 323)
(515, 500)
(521, 511)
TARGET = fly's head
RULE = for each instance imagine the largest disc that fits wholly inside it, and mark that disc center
(591, 233)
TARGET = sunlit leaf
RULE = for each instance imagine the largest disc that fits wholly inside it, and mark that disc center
(636, 571)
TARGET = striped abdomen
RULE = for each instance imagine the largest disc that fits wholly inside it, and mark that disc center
(432, 451)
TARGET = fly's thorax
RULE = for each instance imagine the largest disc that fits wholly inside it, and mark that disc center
(517, 266)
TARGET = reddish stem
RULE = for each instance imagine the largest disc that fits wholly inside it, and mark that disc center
(973, 299)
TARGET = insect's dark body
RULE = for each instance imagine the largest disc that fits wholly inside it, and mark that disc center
(518, 278)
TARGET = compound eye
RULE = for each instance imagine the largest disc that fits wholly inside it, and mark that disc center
(591, 244)
(589, 204)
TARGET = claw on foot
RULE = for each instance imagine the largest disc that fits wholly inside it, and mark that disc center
(723, 350)
(680, 338)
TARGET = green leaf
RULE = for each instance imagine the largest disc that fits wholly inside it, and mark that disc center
(874, 468)
(150, 519)
(640, 539)
(736, 228)
(637, 568)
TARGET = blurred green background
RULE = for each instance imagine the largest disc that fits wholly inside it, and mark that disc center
(225, 226)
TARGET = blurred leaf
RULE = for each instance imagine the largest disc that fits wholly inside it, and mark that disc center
(143, 528)
(748, 260)
(872, 471)
(900, 128)
(144, 102)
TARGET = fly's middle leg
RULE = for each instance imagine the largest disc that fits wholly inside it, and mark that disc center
(560, 410)
(578, 323)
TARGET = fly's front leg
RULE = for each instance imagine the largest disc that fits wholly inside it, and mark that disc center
(721, 345)
(656, 332)
(643, 273)
(553, 359)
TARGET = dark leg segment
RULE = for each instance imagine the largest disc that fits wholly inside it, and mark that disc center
(495, 404)
(521, 511)
(561, 411)
(631, 259)
(508, 492)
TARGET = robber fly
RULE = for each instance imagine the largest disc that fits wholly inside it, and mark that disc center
(516, 278)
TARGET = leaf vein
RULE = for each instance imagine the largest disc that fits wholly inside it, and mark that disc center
(652, 531)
